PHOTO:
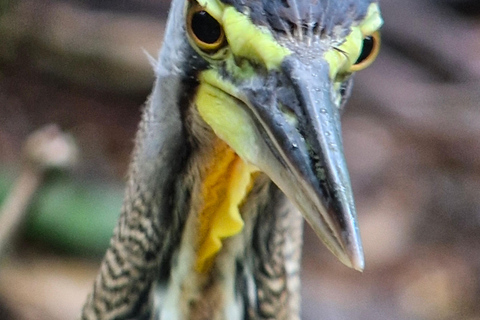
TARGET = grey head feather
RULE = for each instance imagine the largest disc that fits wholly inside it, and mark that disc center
(327, 18)
(161, 133)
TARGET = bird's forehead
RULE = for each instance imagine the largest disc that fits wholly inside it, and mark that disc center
(330, 18)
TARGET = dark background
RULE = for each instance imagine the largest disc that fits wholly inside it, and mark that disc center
(411, 133)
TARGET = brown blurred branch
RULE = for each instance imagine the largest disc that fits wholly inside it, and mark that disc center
(44, 149)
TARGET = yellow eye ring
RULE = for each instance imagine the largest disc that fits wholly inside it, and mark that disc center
(205, 30)
(369, 52)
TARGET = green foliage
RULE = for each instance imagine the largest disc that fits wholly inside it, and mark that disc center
(77, 218)
(6, 184)
(4, 5)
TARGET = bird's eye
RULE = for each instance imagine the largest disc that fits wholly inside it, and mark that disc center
(204, 29)
(370, 49)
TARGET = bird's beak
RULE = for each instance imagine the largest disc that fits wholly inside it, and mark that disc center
(297, 142)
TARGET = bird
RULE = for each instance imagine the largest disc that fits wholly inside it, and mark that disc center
(239, 143)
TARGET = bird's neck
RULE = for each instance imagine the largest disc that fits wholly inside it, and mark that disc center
(212, 239)
(223, 184)
(220, 181)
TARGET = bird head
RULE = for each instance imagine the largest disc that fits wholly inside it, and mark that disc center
(272, 77)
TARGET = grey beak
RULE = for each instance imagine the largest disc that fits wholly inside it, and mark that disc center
(301, 126)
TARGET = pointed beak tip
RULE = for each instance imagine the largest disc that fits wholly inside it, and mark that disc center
(356, 259)
(358, 265)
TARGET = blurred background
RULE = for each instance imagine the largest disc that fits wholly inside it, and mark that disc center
(411, 133)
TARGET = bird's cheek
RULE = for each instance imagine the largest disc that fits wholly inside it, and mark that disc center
(229, 121)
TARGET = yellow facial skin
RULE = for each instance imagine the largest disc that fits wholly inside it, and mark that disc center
(229, 177)
(343, 57)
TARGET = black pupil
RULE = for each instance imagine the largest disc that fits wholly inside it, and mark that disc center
(367, 48)
(205, 27)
